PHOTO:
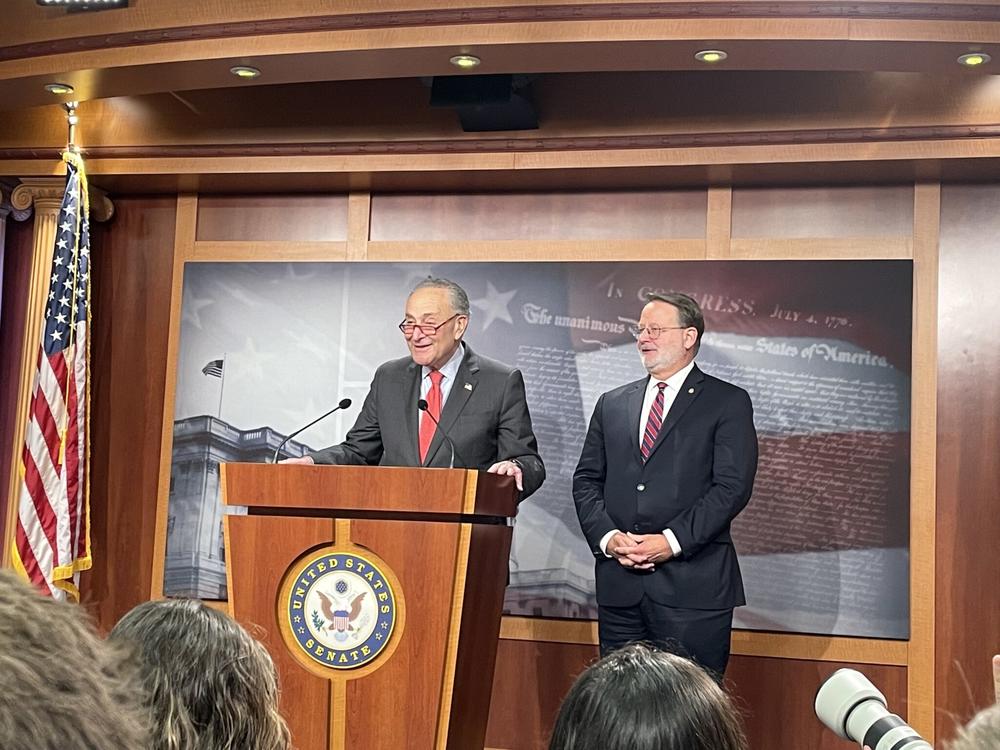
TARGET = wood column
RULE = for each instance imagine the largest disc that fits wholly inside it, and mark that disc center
(44, 194)
(5, 209)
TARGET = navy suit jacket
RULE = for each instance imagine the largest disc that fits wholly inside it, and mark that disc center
(699, 476)
(486, 416)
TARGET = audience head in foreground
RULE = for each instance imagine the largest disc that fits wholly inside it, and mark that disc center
(982, 732)
(209, 685)
(61, 686)
(638, 698)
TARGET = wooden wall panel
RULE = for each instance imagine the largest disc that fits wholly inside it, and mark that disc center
(776, 698)
(16, 274)
(865, 211)
(131, 354)
(286, 218)
(539, 216)
(968, 465)
(132, 260)
(529, 684)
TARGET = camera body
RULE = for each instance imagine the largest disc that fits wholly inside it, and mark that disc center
(850, 705)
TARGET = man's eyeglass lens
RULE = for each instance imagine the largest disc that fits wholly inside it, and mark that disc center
(427, 329)
(653, 331)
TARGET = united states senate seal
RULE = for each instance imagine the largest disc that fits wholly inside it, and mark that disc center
(341, 610)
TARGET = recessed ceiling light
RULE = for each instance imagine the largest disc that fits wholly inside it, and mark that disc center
(245, 71)
(710, 56)
(972, 59)
(465, 62)
(59, 88)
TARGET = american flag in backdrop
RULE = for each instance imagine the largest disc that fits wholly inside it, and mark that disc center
(53, 530)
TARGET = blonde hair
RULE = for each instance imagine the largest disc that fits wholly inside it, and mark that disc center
(209, 685)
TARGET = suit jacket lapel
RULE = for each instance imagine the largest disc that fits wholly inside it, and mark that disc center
(634, 400)
(466, 380)
(689, 391)
(411, 391)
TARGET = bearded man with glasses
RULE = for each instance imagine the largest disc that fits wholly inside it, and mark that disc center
(478, 402)
(667, 464)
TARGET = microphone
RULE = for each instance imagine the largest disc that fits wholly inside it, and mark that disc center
(344, 403)
(422, 405)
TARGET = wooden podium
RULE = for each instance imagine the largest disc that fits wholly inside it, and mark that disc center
(378, 592)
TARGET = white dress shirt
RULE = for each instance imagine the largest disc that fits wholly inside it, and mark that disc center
(674, 383)
(449, 370)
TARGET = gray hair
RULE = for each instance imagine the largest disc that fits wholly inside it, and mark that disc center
(689, 312)
(209, 685)
(982, 733)
(60, 684)
(456, 295)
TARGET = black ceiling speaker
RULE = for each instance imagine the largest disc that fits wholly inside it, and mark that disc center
(487, 102)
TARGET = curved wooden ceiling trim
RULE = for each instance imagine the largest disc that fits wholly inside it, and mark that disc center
(722, 14)
(494, 157)
(535, 145)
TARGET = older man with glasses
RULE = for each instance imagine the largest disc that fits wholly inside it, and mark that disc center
(442, 390)
(667, 464)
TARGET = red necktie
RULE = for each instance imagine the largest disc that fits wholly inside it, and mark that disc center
(427, 425)
(653, 423)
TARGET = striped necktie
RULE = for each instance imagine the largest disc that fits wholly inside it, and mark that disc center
(653, 423)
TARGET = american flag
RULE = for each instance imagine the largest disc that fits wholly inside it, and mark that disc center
(53, 529)
(213, 368)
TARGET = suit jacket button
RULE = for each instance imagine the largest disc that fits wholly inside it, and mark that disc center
(641, 487)
(635, 528)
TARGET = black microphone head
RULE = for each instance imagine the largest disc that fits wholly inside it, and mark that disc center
(344, 403)
(422, 404)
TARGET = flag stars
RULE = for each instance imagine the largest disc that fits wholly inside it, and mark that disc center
(60, 318)
(56, 335)
(62, 245)
(58, 260)
(66, 226)
(64, 301)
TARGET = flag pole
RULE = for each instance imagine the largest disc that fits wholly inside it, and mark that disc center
(71, 122)
(222, 384)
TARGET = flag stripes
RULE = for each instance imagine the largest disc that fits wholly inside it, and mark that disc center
(52, 537)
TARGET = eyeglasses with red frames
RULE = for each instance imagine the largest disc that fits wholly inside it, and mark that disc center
(428, 329)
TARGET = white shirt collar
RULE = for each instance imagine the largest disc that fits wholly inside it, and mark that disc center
(675, 381)
(450, 368)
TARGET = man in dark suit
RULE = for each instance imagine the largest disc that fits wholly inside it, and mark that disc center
(479, 403)
(667, 464)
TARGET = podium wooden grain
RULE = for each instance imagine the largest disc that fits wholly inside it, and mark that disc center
(442, 537)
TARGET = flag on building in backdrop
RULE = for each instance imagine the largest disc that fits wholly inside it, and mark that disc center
(52, 543)
(213, 368)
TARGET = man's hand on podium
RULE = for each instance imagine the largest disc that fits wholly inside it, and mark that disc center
(509, 469)
(302, 460)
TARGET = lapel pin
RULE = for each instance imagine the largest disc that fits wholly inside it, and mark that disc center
(468, 386)
(690, 390)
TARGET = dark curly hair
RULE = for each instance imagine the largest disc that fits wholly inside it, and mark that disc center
(209, 685)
